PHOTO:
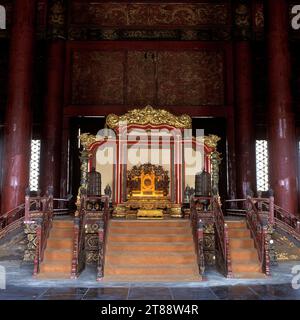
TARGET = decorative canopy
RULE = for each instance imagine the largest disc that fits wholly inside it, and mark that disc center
(146, 116)
(149, 115)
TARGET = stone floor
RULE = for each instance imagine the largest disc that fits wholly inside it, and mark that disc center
(21, 286)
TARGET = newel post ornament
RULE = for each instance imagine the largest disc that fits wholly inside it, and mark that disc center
(86, 140)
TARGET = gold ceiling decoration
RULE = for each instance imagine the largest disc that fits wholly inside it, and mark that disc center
(149, 115)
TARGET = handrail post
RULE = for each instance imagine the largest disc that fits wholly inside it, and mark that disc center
(259, 203)
(100, 271)
(27, 208)
(248, 203)
(201, 262)
(38, 249)
(102, 238)
(38, 200)
(229, 273)
(271, 210)
(298, 226)
(225, 238)
(266, 250)
(75, 247)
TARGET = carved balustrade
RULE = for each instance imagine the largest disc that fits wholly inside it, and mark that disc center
(261, 228)
(223, 256)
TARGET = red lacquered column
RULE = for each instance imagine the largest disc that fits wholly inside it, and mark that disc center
(245, 141)
(244, 119)
(18, 119)
(53, 104)
(281, 123)
(52, 123)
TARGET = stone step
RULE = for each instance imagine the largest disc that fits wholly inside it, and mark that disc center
(244, 254)
(62, 232)
(59, 243)
(154, 278)
(63, 224)
(149, 223)
(150, 250)
(238, 233)
(236, 224)
(249, 275)
(241, 243)
(54, 275)
(149, 237)
(151, 269)
(245, 267)
(58, 254)
(151, 247)
(149, 230)
(63, 266)
(118, 258)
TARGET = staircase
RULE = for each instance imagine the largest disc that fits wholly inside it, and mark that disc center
(57, 261)
(244, 256)
(150, 250)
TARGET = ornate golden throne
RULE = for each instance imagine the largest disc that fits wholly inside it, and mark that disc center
(148, 190)
(147, 180)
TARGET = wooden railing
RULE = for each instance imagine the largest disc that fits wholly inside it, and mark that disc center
(78, 260)
(62, 205)
(235, 207)
(12, 216)
(13, 220)
(239, 207)
(42, 217)
(259, 224)
(287, 221)
(198, 235)
(222, 240)
(95, 206)
(102, 234)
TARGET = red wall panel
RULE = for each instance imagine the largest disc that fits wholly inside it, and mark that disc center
(165, 74)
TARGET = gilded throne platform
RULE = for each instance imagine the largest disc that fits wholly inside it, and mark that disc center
(134, 142)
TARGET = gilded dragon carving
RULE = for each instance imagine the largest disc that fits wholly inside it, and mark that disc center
(149, 115)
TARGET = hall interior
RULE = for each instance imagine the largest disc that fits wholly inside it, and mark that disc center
(73, 71)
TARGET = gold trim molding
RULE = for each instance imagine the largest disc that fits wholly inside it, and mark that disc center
(149, 115)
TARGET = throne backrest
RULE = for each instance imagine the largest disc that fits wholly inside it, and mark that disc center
(148, 179)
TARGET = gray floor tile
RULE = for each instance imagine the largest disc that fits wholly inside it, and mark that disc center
(149, 293)
(193, 294)
(235, 293)
(106, 294)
